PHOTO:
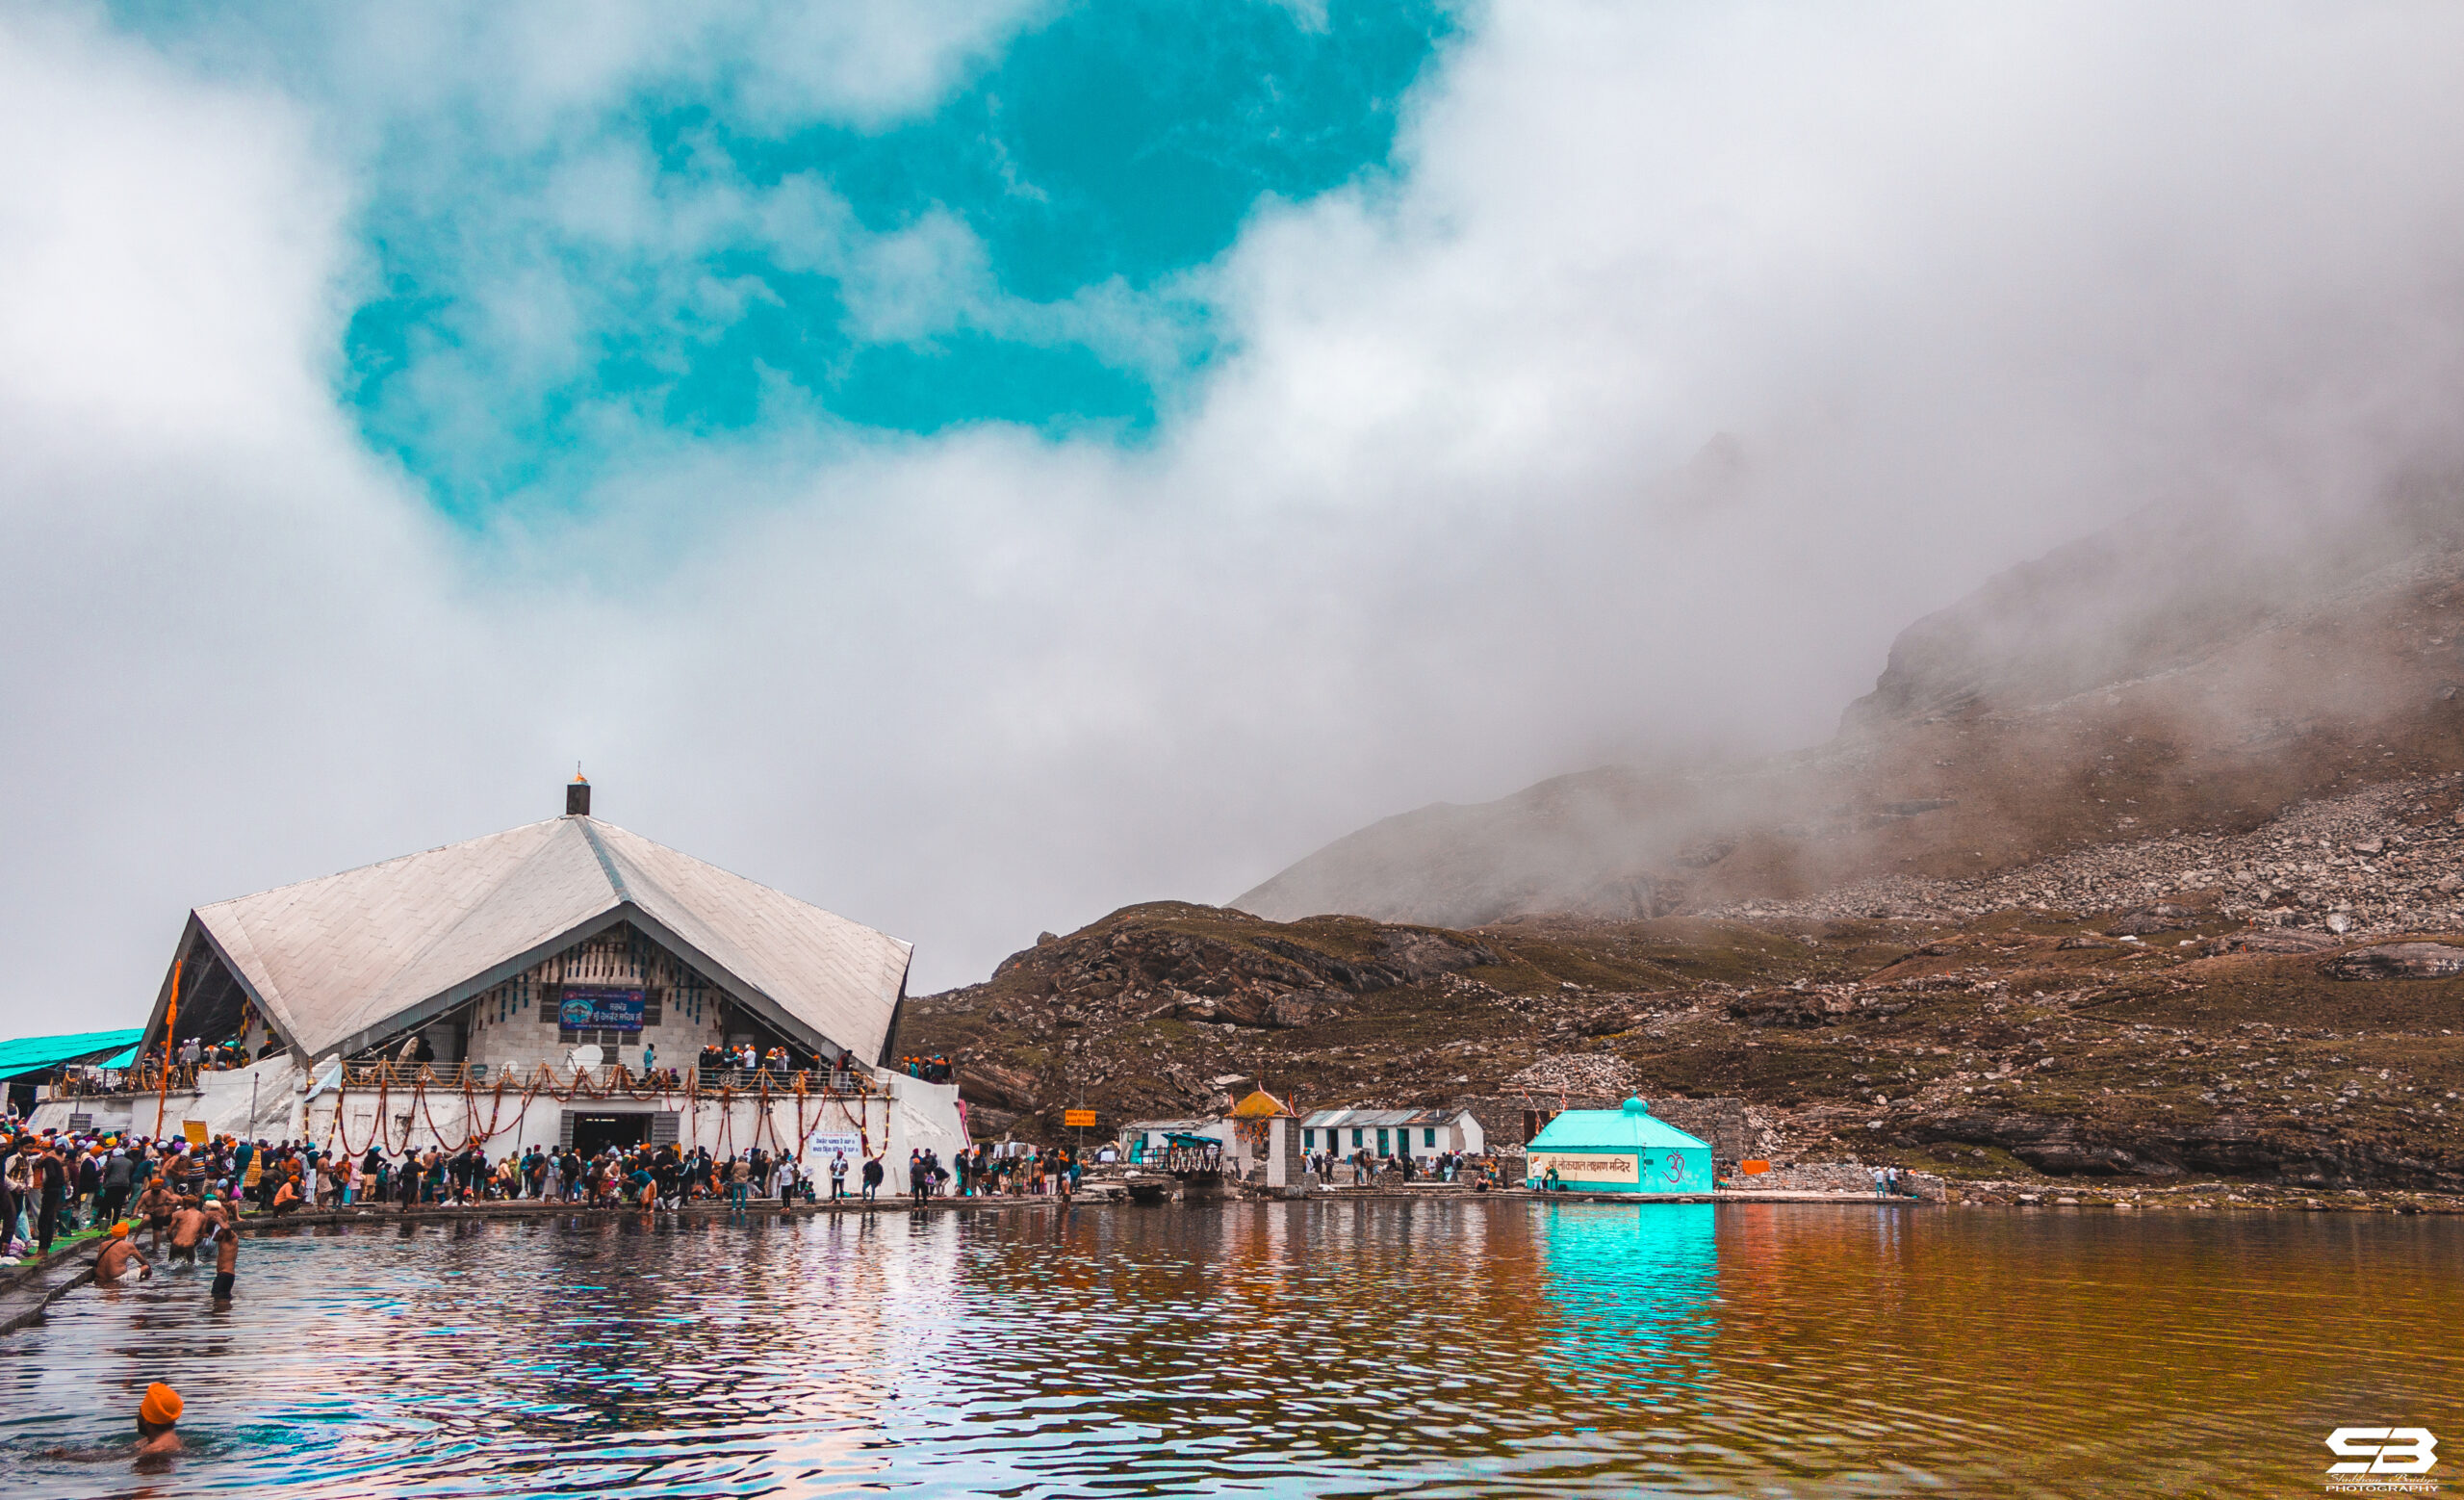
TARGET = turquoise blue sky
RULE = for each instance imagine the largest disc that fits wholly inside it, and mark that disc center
(676, 257)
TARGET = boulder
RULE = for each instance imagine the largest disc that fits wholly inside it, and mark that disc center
(2270, 940)
(2162, 916)
(1800, 1008)
(1293, 1011)
(2396, 961)
(1003, 1088)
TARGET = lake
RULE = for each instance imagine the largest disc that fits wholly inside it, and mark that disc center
(1430, 1348)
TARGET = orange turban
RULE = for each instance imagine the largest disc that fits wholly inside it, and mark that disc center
(161, 1407)
(120, 1229)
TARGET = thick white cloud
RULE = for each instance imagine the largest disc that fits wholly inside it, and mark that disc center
(1959, 282)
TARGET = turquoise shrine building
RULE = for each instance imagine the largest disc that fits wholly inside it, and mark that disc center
(1627, 1150)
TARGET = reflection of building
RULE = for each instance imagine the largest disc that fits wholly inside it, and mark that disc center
(1618, 1151)
(562, 975)
(1422, 1134)
(1635, 1293)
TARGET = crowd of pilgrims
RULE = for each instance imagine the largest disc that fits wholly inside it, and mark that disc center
(52, 1184)
(1368, 1166)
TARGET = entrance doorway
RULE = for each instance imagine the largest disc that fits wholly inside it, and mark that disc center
(594, 1133)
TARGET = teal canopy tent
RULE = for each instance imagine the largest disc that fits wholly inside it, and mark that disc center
(1628, 1149)
(40, 1054)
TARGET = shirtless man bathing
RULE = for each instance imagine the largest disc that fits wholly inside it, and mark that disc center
(120, 1253)
(188, 1228)
(223, 1234)
(154, 1205)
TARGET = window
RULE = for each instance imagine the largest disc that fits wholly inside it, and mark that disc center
(1429, 1137)
(1355, 1138)
(1381, 1142)
(1308, 1139)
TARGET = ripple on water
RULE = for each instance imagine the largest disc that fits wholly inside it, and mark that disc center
(1472, 1349)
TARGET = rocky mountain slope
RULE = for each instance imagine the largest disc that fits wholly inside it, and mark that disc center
(2145, 860)
(2187, 672)
(2139, 1012)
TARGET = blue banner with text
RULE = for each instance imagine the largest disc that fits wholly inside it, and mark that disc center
(600, 1010)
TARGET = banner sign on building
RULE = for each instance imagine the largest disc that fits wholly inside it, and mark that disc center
(1582, 1166)
(600, 1010)
(825, 1143)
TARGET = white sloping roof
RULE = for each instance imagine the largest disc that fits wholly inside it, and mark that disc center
(343, 960)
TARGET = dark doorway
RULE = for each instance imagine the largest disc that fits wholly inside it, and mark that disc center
(594, 1133)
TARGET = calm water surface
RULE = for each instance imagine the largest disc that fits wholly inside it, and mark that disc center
(1434, 1349)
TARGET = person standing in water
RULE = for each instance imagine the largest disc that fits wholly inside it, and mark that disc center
(119, 1251)
(188, 1228)
(226, 1239)
(156, 1203)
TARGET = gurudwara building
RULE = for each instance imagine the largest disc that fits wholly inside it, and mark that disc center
(564, 981)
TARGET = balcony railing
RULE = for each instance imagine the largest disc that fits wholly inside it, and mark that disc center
(89, 1082)
(606, 1078)
(456, 1078)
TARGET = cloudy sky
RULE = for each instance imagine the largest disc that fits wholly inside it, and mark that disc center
(974, 466)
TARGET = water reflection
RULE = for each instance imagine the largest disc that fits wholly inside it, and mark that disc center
(1303, 1349)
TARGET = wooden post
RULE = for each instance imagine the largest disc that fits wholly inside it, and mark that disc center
(171, 1024)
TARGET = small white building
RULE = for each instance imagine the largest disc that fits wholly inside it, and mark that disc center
(1421, 1134)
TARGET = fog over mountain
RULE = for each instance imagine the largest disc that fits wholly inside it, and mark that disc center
(2200, 669)
(1621, 411)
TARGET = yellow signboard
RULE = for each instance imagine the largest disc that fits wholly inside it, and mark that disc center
(195, 1130)
(1078, 1116)
(1574, 1167)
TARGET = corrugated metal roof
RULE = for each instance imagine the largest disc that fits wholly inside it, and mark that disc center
(339, 961)
(34, 1054)
(1369, 1119)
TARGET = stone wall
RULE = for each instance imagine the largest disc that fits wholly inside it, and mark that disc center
(1718, 1120)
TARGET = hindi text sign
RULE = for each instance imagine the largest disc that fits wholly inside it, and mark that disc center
(600, 1010)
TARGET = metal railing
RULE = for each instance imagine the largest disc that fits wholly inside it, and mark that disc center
(104, 1083)
(816, 1080)
(547, 1077)
(369, 1073)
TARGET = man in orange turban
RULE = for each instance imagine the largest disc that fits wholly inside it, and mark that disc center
(158, 1420)
(118, 1250)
